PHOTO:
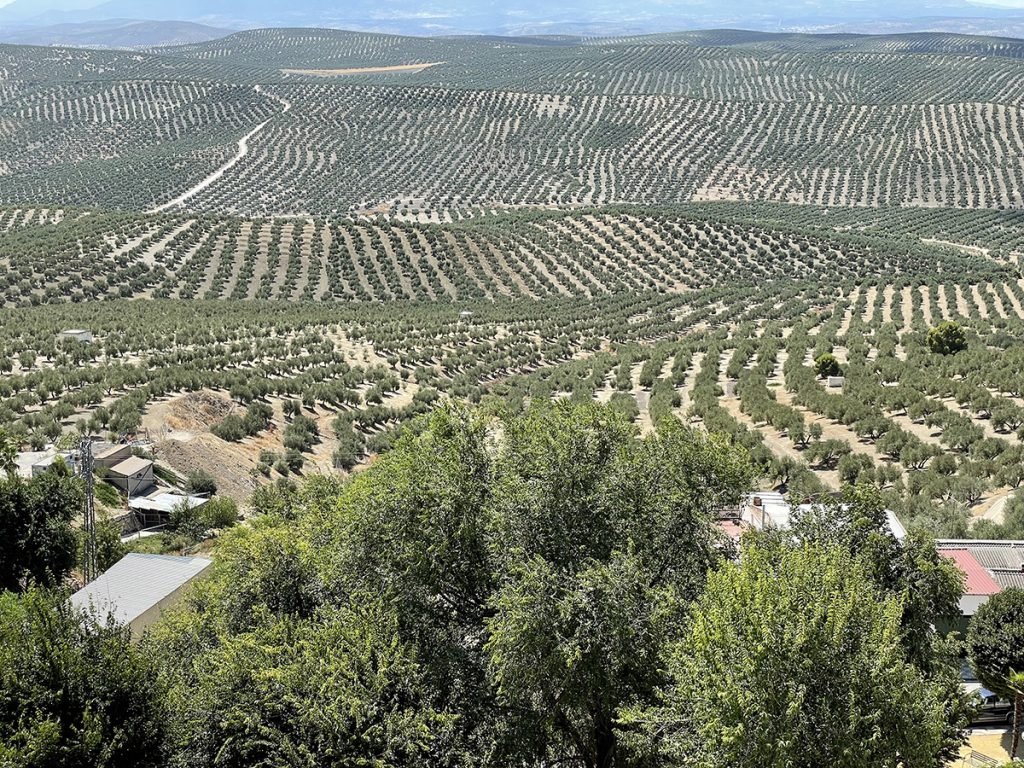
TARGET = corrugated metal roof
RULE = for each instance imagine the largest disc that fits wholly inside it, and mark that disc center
(979, 581)
(1009, 579)
(136, 583)
(1005, 557)
(165, 502)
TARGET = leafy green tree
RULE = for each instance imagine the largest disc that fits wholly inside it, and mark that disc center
(109, 547)
(601, 540)
(341, 689)
(826, 365)
(8, 453)
(792, 658)
(37, 543)
(995, 646)
(453, 530)
(947, 338)
(201, 483)
(74, 691)
(219, 512)
(910, 570)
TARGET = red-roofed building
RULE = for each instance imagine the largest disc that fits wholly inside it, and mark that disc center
(979, 585)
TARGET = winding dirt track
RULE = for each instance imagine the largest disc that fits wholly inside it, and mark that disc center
(243, 150)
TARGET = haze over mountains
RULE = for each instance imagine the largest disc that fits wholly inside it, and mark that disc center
(531, 16)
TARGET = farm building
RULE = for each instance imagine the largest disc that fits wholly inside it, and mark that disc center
(769, 509)
(989, 567)
(139, 588)
(70, 459)
(77, 334)
(107, 454)
(133, 476)
(152, 511)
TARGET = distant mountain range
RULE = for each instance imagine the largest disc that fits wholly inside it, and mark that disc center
(531, 17)
(116, 33)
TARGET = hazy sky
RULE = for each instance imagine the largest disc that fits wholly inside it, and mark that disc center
(998, 3)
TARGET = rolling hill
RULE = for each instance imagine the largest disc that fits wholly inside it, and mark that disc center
(125, 33)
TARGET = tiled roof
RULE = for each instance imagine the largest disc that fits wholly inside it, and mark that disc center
(979, 581)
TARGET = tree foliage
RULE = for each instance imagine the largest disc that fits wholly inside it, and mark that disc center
(995, 644)
(37, 543)
(793, 658)
(947, 338)
(73, 690)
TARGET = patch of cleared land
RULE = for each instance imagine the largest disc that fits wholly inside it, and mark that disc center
(411, 68)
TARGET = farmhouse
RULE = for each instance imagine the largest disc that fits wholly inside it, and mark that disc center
(139, 588)
(70, 459)
(77, 334)
(133, 476)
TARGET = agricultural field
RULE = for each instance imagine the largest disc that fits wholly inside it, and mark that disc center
(288, 244)
(318, 123)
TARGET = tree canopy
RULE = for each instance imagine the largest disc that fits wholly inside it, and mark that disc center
(793, 658)
(37, 542)
(947, 338)
(73, 690)
(995, 644)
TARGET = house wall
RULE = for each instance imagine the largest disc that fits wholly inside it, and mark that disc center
(136, 483)
(144, 621)
(115, 457)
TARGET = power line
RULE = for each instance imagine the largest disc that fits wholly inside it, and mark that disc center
(89, 511)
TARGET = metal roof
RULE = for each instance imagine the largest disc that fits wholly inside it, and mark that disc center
(777, 512)
(1009, 579)
(979, 580)
(137, 583)
(992, 557)
(165, 502)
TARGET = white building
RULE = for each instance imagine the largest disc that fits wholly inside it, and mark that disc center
(133, 476)
(139, 588)
(769, 509)
(77, 334)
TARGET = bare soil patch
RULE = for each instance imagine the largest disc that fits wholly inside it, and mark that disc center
(412, 68)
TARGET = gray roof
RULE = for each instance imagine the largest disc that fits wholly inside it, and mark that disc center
(165, 502)
(1009, 579)
(137, 583)
(131, 466)
(1005, 557)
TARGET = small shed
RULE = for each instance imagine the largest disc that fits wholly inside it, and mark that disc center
(836, 382)
(133, 476)
(465, 316)
(139, 588)
(109, 455)
(77, 334)
(70, 459)
(151, 511)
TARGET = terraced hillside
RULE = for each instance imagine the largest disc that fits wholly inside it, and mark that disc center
(339, 122)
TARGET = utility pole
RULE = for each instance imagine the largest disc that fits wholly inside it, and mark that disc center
(89, 511)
